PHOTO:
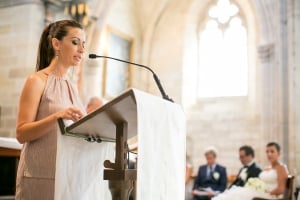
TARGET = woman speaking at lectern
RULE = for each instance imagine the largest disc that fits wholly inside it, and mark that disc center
(47, 95)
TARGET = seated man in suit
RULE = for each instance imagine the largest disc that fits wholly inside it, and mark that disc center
(249, 169)
(211, 178)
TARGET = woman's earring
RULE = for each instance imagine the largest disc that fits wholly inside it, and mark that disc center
(57, 53)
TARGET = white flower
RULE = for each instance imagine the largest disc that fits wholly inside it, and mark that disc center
(256, 184)
(216, 175)
(243, 174)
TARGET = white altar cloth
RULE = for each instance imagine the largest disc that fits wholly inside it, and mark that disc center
(10, 143)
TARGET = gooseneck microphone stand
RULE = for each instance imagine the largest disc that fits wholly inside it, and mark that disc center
(157, 81)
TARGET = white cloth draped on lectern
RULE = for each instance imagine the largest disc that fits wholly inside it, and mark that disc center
(79, 169)
(161, 156)
(161, 149)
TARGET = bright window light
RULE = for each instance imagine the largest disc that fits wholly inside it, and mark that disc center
(223, 68)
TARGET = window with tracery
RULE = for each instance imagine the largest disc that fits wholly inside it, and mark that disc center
(223, 60)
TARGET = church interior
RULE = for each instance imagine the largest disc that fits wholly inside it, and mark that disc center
(235, 65)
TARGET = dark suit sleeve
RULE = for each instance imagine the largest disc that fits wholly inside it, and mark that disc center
(197, 180)
(223, 179)
(253, 171)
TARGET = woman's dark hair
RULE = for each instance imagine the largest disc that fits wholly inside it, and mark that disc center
(56, 30)
(274, 144)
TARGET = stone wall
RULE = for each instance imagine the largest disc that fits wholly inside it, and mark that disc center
(296, 93)
(226, 124)
(122, 20)
(19, 41)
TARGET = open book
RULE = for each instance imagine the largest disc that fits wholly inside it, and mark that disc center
(201, 191)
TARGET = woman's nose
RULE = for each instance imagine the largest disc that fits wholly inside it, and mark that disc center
(81, 48)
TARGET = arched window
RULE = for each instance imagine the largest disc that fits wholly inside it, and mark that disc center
(223, 65)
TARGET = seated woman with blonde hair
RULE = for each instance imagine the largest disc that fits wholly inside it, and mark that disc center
(270, 184)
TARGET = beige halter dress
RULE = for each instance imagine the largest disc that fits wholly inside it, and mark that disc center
(36, 170)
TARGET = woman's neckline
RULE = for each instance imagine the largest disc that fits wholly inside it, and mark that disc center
(65, 78)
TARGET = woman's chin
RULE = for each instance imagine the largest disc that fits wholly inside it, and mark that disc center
(75, 64)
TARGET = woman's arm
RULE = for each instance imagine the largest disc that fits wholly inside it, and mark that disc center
(28, 129)
(281, 180)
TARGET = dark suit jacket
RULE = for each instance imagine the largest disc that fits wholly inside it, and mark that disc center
(252, 171)
(218, 184)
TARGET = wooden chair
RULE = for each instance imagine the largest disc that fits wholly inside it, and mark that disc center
(288, 194)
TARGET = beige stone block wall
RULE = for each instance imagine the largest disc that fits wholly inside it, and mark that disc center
(19, 35)
(227, 126)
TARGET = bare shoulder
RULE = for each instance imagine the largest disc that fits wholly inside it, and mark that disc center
(282, 169)
(282, 166)
(35, 83)
(36, 79)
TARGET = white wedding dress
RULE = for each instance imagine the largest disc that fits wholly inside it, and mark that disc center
(247, 193)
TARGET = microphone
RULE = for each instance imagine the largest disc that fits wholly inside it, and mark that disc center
(157, 81)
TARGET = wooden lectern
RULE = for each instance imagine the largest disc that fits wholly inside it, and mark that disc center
(118, 121)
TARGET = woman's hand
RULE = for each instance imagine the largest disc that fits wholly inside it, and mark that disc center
(71, 113)
(28, 127)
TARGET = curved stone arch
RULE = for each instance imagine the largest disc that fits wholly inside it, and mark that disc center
(190, 63)
(266, 13)
(149, 22)
(194, 21)
(167, 32)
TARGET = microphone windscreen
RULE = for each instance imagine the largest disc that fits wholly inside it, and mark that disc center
(92, 56)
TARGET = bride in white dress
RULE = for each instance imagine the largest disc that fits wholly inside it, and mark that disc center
(273, 179)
